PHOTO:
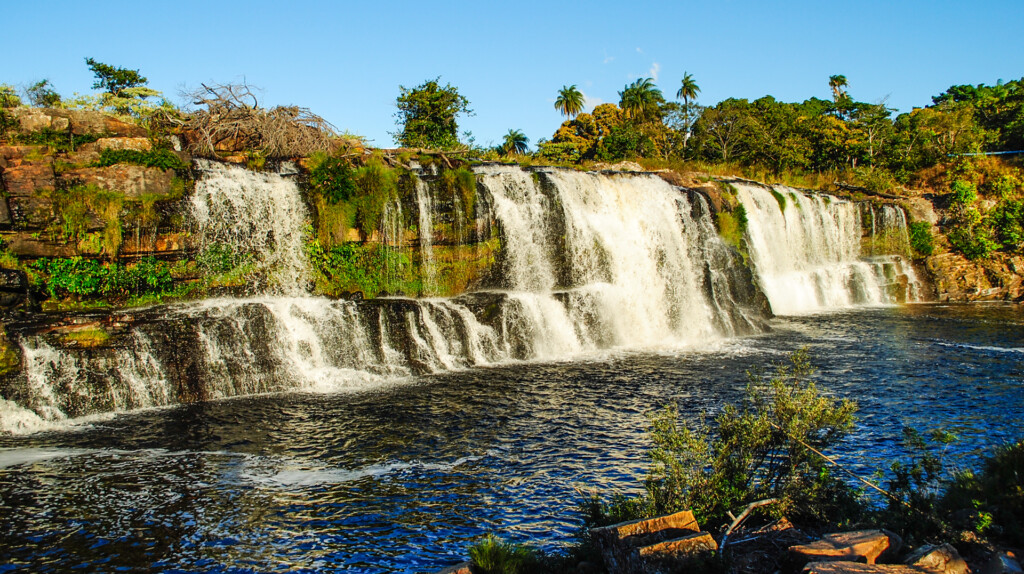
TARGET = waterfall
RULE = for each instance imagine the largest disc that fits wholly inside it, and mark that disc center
(259, 214)
(425, 208)
(806, 252)
(587, 262)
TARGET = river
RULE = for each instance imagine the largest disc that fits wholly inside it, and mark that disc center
(405, 477)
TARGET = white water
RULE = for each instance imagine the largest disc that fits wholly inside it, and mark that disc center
(253, 213)
(589, 262)
(807, 255)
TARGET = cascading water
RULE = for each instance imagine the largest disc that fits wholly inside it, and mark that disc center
(425, 208)
(806, 251)
(252, 213)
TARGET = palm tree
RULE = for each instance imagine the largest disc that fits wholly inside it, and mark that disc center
(837, 83)
(515, 143)
(688, 90)
(640, 99)
(569, 101)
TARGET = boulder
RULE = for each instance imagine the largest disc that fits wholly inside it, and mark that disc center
(32, 119)
(844, 567)
(674, 555)
(13, 287)
(944, 559)
(135, 144)
(859, 545)
(619, 543)
(133, 181)
(25, 180)
(88, 122)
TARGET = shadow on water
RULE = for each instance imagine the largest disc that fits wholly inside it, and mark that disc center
(406, 477)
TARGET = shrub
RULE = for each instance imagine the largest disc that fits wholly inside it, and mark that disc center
(990, 503)
(963, 193)
(757, 450)
(1007, 221)
(494, 556)
(80, 277)
(921, 240)
(331, 177)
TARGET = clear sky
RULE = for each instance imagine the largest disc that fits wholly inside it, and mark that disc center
(346, 60)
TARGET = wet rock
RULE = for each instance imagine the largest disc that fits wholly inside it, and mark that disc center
(859, 545)
(619, 543)
(1002, 563)
(24, 245)
(133, 181)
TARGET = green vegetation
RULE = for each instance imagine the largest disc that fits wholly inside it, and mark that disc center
(57, 141)
(114, 80)
(42, 95)
(494, 556)
(87, 278)
(569, 101)
(427, 115)
(732, 227)
(921, 240)
(516, 143)
(88, 337)
(157, 157)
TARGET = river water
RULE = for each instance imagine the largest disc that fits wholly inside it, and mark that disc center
(406, 477)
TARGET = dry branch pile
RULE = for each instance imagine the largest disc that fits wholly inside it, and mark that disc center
(230, 119)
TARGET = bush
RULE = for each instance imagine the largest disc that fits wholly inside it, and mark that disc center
(757, 450)
(331, 177)
(921, 240)
(494, 556)
(91, 279)
(963, 193)
(990, 503)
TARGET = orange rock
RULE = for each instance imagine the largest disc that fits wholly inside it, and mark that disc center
(861, 544)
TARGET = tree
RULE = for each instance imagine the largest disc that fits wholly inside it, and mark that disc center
(114, 80)
(515, 143)
(641, 100)
(569, 101)
(687, 91)
(837, 83)
(427, 115)
(42, 94)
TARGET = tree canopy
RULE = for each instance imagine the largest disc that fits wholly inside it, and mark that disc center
(114, 80)
(569, 101)
(427, 115)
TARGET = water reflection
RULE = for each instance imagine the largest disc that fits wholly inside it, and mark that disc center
(404, 478)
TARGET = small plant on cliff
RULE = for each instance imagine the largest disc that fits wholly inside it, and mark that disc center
(921, 240)
(159, 157)
(331, 177)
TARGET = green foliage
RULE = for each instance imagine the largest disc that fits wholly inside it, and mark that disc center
(57, 141)
(963, 193)
(733, 226)
(221, 258)
(332, 178)
(157, 157)
(781, 199)
(363, 268)
(641, 100)
(569, 101)
(921, 240)
(970, 235)
(515, 143)
(459, 184)
(758, 450)
(625, 141)
(114, 80)
(494, 556)
(9, 96)
(377, 185)
(990, 503)
(42, 95)
(89, 278)
(427, 115)
(1007, 220)
(916, 485)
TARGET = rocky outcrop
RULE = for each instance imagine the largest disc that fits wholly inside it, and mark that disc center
(1000, 277)
(78, 122)
(857, 546)
(659, 544)
(134, 181)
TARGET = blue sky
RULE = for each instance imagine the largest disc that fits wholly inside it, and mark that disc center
(345, 60)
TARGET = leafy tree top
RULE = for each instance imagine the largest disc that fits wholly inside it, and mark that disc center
(641, 100)
(427, 115)
(515, 143)
(114, 80)
(569, 101)
(689, 89)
